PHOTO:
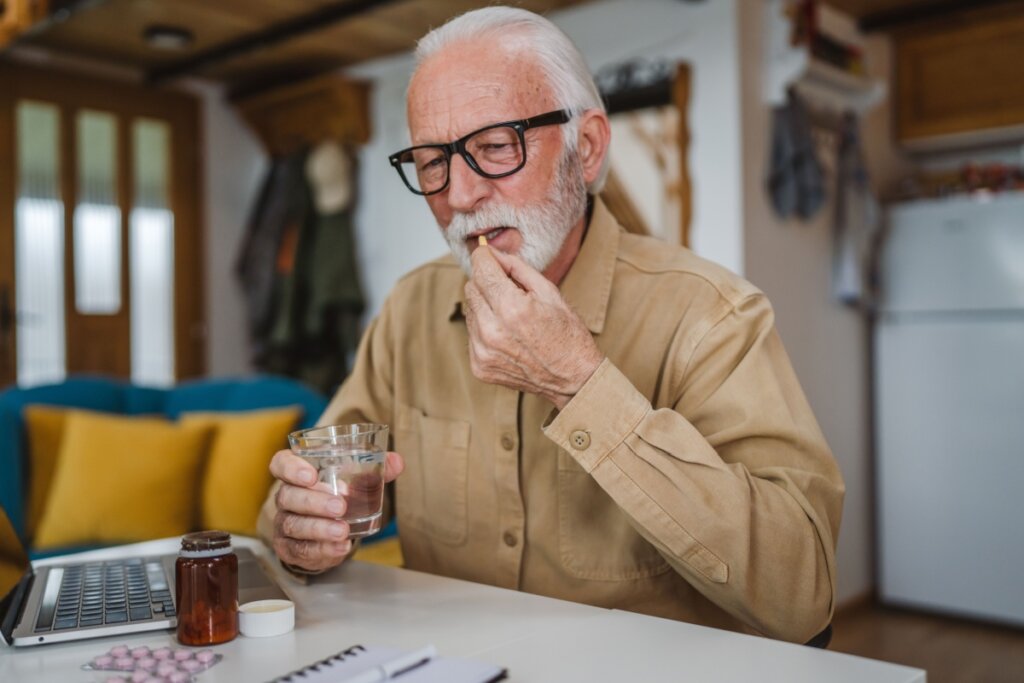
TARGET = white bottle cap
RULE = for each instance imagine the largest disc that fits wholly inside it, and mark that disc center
(263, 618)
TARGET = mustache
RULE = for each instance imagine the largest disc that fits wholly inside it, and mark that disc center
(463, 224)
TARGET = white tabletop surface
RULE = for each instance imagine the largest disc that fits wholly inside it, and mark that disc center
(535, 638)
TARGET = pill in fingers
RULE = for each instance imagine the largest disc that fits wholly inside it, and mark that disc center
(482, 240)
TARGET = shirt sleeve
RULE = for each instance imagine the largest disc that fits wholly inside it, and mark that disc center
(732, 480)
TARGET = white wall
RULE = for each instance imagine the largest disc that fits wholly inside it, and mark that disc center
(234, 164)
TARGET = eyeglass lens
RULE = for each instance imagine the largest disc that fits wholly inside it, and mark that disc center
(496, 151)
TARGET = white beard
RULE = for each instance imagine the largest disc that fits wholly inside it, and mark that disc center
(542, 226)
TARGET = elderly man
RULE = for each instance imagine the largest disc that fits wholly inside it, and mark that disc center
(579, 412)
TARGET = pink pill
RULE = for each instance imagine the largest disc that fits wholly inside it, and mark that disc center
(206, 656)
(119, 650)
(182, 655)
(162, 653)
(166, 669)
(138, 676)
(179, 677)
(191, 666)
(147, 663)
(140, 652)
(103, 662)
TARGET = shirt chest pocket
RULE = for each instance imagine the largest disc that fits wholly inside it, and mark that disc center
(432, 492)
(595, 539)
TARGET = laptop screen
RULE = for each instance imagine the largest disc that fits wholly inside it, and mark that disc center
(13, 560)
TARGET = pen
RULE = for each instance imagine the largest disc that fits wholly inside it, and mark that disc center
(396, 667)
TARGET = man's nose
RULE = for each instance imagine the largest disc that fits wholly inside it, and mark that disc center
(466, 187)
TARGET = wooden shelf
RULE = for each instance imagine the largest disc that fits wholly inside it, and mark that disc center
(819, 83)
(307, 113)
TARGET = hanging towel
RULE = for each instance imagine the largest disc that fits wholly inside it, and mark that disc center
(796, 180)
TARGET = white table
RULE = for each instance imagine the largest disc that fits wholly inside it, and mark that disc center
(536, 638)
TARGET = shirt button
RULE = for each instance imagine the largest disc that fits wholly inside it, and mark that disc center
(510, 539)
(507, 442)
(579, 440)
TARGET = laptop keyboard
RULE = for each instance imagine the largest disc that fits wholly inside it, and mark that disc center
(104, 593)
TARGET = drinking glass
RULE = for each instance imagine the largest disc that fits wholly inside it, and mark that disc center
(349, 460)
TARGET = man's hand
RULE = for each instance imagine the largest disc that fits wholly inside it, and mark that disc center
(522, 333)
(307, 530)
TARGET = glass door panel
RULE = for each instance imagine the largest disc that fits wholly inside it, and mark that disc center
(97, 232)
(39, 245)
(151, 269)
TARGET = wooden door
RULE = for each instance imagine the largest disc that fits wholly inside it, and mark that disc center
(123, 167)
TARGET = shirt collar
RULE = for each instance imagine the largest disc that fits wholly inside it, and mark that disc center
(588, 285)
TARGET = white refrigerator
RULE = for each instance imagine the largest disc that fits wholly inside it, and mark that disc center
(949, 402)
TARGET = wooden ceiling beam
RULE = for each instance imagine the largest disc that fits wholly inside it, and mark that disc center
(915, 14)
(278, 33)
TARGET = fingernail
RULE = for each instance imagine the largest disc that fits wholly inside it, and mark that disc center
(346, 548)
(307, 477)
(338, 529)
(334, 506)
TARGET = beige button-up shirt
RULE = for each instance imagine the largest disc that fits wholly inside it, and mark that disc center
(687, 479)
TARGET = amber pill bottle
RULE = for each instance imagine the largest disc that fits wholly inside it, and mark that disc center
(206, 588)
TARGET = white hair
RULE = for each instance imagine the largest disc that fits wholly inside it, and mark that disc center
(558, 58)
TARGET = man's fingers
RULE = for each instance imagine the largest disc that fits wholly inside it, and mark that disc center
(307, 528)
(482, 321)
(306, 501)
(474, 299)
(523, 274)
(489, 276)
(394, 465)
(311, 555)
(292, 469)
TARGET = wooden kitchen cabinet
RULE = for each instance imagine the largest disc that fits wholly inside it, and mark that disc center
(961, 81)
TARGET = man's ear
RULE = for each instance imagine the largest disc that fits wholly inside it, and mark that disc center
(594, 137)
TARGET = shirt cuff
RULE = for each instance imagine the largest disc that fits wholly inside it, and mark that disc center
(599, 417)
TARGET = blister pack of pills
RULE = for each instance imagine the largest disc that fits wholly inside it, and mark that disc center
(144, 665)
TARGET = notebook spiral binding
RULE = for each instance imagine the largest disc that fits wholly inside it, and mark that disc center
(315, 667)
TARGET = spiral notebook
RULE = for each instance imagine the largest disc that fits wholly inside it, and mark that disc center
(372, 664)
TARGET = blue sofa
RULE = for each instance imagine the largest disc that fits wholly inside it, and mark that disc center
(115, 396)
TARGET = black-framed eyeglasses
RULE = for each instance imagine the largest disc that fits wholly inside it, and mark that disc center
(494, 151)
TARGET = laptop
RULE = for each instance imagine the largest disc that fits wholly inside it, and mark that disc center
(75, 600)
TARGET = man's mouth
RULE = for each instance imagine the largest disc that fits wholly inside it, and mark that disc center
(489, 233)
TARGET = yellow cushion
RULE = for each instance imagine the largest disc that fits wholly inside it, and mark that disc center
(237, 475)
(45, 429)
(122, 479)
(387, 552)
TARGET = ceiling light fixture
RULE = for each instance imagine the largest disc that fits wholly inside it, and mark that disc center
(167, 37)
